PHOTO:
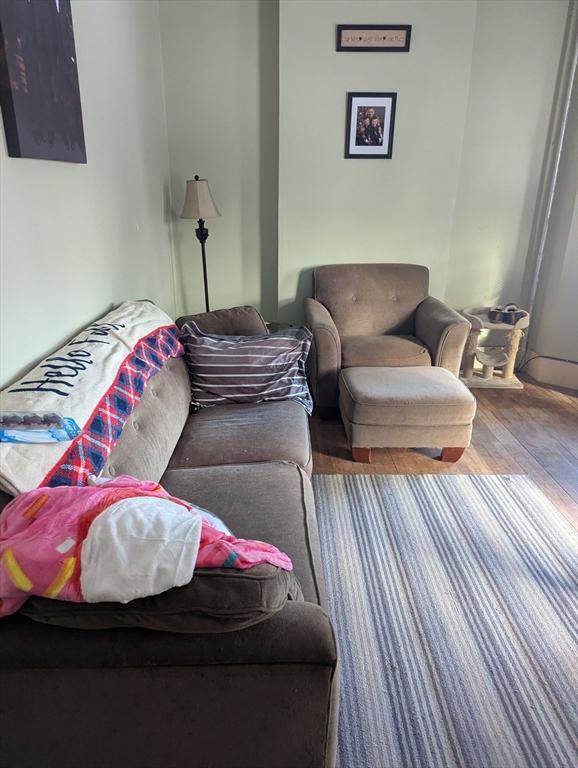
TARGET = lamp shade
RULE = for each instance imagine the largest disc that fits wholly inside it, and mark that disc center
(199, 203)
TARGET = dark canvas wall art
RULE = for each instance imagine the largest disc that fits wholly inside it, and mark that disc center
(39, 91)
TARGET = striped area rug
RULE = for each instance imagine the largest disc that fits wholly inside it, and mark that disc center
(454, 600)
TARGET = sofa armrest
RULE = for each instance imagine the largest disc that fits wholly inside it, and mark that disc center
(274, 683)
(237, 321)
(300, 633)
(444, 332)
(325, 358)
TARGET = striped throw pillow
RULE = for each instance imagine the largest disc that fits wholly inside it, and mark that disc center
(247, 369)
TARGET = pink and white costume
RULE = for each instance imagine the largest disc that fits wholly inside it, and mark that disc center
(119, 540)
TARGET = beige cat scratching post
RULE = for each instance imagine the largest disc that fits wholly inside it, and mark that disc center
(492, 366)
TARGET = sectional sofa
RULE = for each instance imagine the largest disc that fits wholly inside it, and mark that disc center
(261, 697)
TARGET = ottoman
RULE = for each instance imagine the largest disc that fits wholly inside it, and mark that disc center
(413, 407)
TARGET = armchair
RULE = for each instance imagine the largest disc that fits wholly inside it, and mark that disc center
(377, 315)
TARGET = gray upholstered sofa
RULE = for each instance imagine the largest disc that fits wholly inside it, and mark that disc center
(374, 315)
(263, 697)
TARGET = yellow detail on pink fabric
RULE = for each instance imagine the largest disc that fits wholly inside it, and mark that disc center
(35, 507)
(15, 572)
(64, 574)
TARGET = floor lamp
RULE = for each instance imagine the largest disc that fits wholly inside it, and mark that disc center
(199, 204)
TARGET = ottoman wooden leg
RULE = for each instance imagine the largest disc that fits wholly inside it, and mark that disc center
(363, 455)
(452, 454)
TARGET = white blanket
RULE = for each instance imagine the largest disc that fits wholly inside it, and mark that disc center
(72, 382)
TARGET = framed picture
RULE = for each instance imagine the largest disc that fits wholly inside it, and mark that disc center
(39, 91)
(380, 38)
(369, 125)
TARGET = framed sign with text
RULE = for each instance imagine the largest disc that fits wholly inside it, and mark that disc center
(379, 38)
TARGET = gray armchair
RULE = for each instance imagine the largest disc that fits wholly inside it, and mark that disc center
(377, 315)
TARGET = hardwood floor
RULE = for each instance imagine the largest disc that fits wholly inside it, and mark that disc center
(533, 432)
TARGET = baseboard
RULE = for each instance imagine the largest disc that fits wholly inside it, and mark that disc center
(557, 373)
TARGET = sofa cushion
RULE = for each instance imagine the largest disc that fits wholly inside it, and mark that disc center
(215, 600)
(240, 434)
(383, 351)
(272, 502)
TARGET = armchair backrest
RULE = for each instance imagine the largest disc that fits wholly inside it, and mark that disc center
(371, 299)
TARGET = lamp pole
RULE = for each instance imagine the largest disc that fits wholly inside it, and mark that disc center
(202, 234)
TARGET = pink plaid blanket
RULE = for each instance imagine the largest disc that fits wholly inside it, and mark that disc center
(118, 540)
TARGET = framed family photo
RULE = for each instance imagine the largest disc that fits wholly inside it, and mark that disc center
(369, 125)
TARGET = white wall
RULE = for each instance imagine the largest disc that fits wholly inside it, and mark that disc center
(474, 97)
(76, 239)
(256, 97)
(516, 52)
(220, 63)
(333, 210)
(554, 328)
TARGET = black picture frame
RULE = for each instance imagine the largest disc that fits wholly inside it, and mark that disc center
(392, 43)
(39, 89)
(361, 139)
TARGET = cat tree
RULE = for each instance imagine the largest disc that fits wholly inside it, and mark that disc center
(492, 365)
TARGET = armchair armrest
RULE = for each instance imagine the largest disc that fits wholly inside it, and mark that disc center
(324, 361)
(444, 332)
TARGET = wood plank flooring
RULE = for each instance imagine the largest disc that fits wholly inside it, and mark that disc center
(533, 432)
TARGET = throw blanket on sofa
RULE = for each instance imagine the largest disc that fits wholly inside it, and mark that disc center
(97, 379)
(119, 540)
